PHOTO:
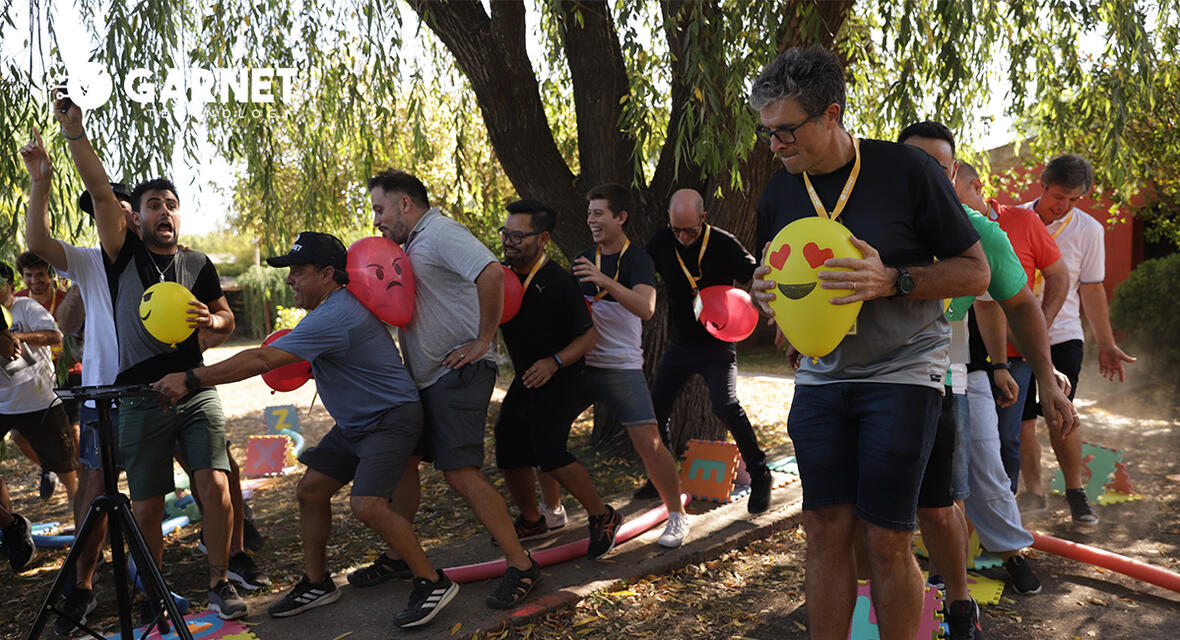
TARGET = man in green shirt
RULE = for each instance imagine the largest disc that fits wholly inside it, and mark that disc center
(941, 518)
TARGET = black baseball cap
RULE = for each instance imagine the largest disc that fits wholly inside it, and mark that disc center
(86, 204)
(318, 248)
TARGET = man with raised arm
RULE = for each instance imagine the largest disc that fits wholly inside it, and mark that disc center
(148, 435)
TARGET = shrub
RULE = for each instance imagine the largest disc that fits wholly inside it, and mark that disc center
(1147, 308)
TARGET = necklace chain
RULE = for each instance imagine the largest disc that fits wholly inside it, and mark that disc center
(161, 271)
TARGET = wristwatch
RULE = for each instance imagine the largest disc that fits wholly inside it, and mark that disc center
(904, 283)
(557, 359)
(191, 381)
(1001, 365)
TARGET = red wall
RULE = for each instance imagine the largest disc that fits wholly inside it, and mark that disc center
(1124, 238)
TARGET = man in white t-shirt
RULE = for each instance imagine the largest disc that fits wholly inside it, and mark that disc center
(1064, 181)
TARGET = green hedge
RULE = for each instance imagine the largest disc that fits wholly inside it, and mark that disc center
(1147, 308)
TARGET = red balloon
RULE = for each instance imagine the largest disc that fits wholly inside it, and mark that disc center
(727, 313)
(288, 377)
(513, 294)
(380, 276)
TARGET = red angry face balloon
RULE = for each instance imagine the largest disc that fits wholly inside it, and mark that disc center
(380, 276)
(288, 377)
(727, 313)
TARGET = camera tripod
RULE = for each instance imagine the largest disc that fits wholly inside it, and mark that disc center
(122, 526)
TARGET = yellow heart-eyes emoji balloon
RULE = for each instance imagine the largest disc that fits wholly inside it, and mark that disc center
(813, 325)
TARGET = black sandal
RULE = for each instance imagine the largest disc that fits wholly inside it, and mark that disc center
(383, 568)
(515, 586)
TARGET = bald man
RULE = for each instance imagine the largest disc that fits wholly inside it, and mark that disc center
(690, 255)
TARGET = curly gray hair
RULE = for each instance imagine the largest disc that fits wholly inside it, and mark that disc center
(812, 76)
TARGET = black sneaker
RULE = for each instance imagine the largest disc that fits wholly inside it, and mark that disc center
(760, 483)
(426, 600)
(48, 484)
(604, 529)
(1079, 506)
(242, 570)
(306, 595)
(515, 587)
(383, 568)
(1024, 581)
(526, 530)
(251, 538)
(18, 543)
(224, 599)
(936, 581)
(79, 603)
(963, 620)
(646, 492)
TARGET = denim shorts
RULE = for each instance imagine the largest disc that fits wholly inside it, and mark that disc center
(866, 444)
(623, 391)
(88, 453)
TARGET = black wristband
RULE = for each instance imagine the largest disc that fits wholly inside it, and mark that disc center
(1007, 366)
(191, 381)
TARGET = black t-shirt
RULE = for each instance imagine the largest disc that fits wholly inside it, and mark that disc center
(637, 268)
(725, 262)
(910, 216)
(142, 358)
(552, 314)
(904, 207)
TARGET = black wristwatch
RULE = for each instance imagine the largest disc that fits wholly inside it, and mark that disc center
(1007, 366)
(191, 381)
(904, 283)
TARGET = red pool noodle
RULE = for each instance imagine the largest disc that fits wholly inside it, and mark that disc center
(568, 551)
(1107, 560)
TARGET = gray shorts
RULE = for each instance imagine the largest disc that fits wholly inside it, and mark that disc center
(623, 391)
(456, 416)
(372, 459)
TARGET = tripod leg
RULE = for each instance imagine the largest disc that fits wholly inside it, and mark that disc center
(59, 583)
(119, 566)
(153, 581)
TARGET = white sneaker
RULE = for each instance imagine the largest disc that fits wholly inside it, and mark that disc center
(555, 518)
(676, 531)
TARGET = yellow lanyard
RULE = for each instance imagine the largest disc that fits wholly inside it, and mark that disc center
(1038, 277)
(844, 193)
(532, 272)
(618, 266)
(692, 280)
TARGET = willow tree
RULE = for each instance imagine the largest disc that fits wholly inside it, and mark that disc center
(569, 94)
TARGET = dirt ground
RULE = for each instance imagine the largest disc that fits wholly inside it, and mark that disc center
(754, 592)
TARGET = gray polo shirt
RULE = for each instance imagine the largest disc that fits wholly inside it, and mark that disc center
(446, 259)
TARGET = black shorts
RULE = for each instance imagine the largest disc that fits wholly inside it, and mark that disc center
(1067, 358)
(372, 459)
(534, 424)
(50, 434)
(864, 444)
(936, 491)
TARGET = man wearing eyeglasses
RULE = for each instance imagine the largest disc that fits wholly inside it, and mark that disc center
(546, 340)
(618, 280)
(863, 417)
(690, 254)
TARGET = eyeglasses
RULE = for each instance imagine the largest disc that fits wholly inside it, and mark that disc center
(785, 135)
(516, 237)
(679, 230)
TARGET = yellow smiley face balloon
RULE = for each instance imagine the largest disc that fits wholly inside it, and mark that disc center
(813, 325)
(163, 309)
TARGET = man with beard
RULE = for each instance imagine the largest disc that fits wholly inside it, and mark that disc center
(458, 299)
(546, 339)
(147, 435)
